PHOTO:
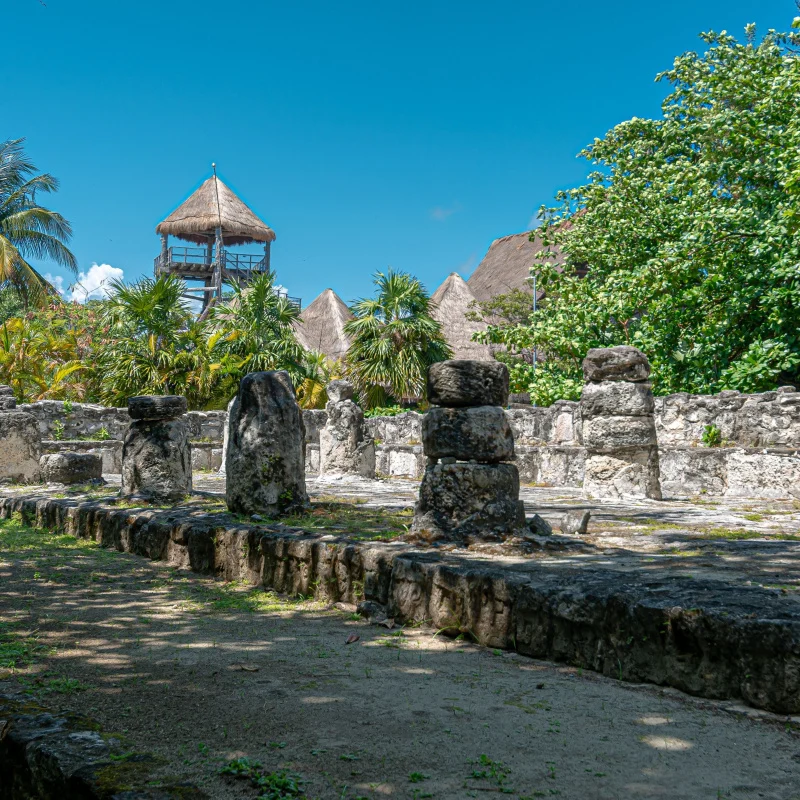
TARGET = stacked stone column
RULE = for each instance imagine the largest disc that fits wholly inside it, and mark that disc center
(345, 446)
(264, 464)
(468, 493)
(619, 430)
(20, 441)
(156, 454)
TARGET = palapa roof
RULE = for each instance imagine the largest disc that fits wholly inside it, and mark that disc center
(452, 300)
(197, 218)
(506, 266)
(321, 325)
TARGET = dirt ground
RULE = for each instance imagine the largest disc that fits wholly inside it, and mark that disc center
(202, 673)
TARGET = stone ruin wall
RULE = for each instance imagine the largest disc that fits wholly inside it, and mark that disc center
(760, 456)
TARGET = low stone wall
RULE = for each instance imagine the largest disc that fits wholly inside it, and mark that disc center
(705, 637)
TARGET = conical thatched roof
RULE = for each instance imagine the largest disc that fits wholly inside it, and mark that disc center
(452, 301)
(505, 267)
(198, 217)
(321, 325)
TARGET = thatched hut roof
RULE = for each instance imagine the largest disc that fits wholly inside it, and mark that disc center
(197, 218)
(321, 325)
(452, 300)
(506, 266)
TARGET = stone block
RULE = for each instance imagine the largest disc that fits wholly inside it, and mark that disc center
(616, 398)
(459, 383)
(7, 403)
(339, 390)
(20, 447)
(169, 406)
(345, 446)
(264, 460)
(632, 475)
(688, 471)
(6, 391)
(609, 434)
(575, 522)
(478, 433)
(469, 503)
(622, 363)
(71, 468)
(763, 474)
(156, 459)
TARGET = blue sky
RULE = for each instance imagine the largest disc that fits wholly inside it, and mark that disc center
(366, 135)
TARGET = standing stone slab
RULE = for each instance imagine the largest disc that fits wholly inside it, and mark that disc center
(265, 471)
(345, 446)
(156, 459)
(20, 447)
(619, 431)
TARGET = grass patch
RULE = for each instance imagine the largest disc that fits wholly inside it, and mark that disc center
(349, 518)
(739, 534)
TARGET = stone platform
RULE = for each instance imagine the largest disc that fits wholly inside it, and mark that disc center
(699, 596)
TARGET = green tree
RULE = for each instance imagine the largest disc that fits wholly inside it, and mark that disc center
(27, 229)
(253, 331)
(394, 339)
(689, 225)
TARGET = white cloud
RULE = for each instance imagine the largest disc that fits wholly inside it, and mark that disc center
(441, 213)
(57, 282)
(94, 284)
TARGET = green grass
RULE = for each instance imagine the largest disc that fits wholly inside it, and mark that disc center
(737, 534)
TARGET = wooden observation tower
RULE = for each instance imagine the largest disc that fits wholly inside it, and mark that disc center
(216, 219)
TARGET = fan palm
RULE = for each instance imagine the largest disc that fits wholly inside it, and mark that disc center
(394, 339)
(253, 331)
(28, 230)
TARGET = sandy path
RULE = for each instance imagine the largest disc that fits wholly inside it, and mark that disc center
(201, 674)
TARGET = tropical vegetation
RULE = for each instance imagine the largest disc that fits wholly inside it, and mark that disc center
(28, 230)
(690, 227)
(393, 340)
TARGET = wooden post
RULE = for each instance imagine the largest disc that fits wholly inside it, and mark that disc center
(220, 263)
(210, 251)
(164, 251)
(266, 256)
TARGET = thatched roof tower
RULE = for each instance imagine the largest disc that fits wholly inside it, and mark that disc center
(452, 300)
(321, 325)
(505, 267)
(197, 219)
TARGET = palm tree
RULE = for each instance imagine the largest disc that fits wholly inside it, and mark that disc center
(319, 371)
(253, 331)
(26, 228)
(394, 339)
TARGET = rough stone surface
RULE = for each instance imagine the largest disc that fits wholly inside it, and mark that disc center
(616, 398)
(461, 382)
(611, 434)
(468, 502)
(20, 447)
(44, 755)
(628, 474)
(70, 468)
(168, 406)
(7, 403)
(575, 522)
(156, 459)
(345, 446)
(622, 363)
(6, 391)
(403, 429)
(478, 433)
(339, 390)
(539, 526)
(264, 461)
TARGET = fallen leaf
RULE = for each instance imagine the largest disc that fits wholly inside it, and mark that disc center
(353, 637)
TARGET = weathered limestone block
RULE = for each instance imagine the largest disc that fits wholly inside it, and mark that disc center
(70, 468)
(345, 446)
(459, 383)
(622, 363)
(6, 391)
(618, 426)
(469, 502)
(616, 398)
(610, 434)
(225, 435)
(478, 433)
(628, 474)
(168, 406)
(156, 459)
(20, 447)
(264, 460)
(7, 403)
(575, 523)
